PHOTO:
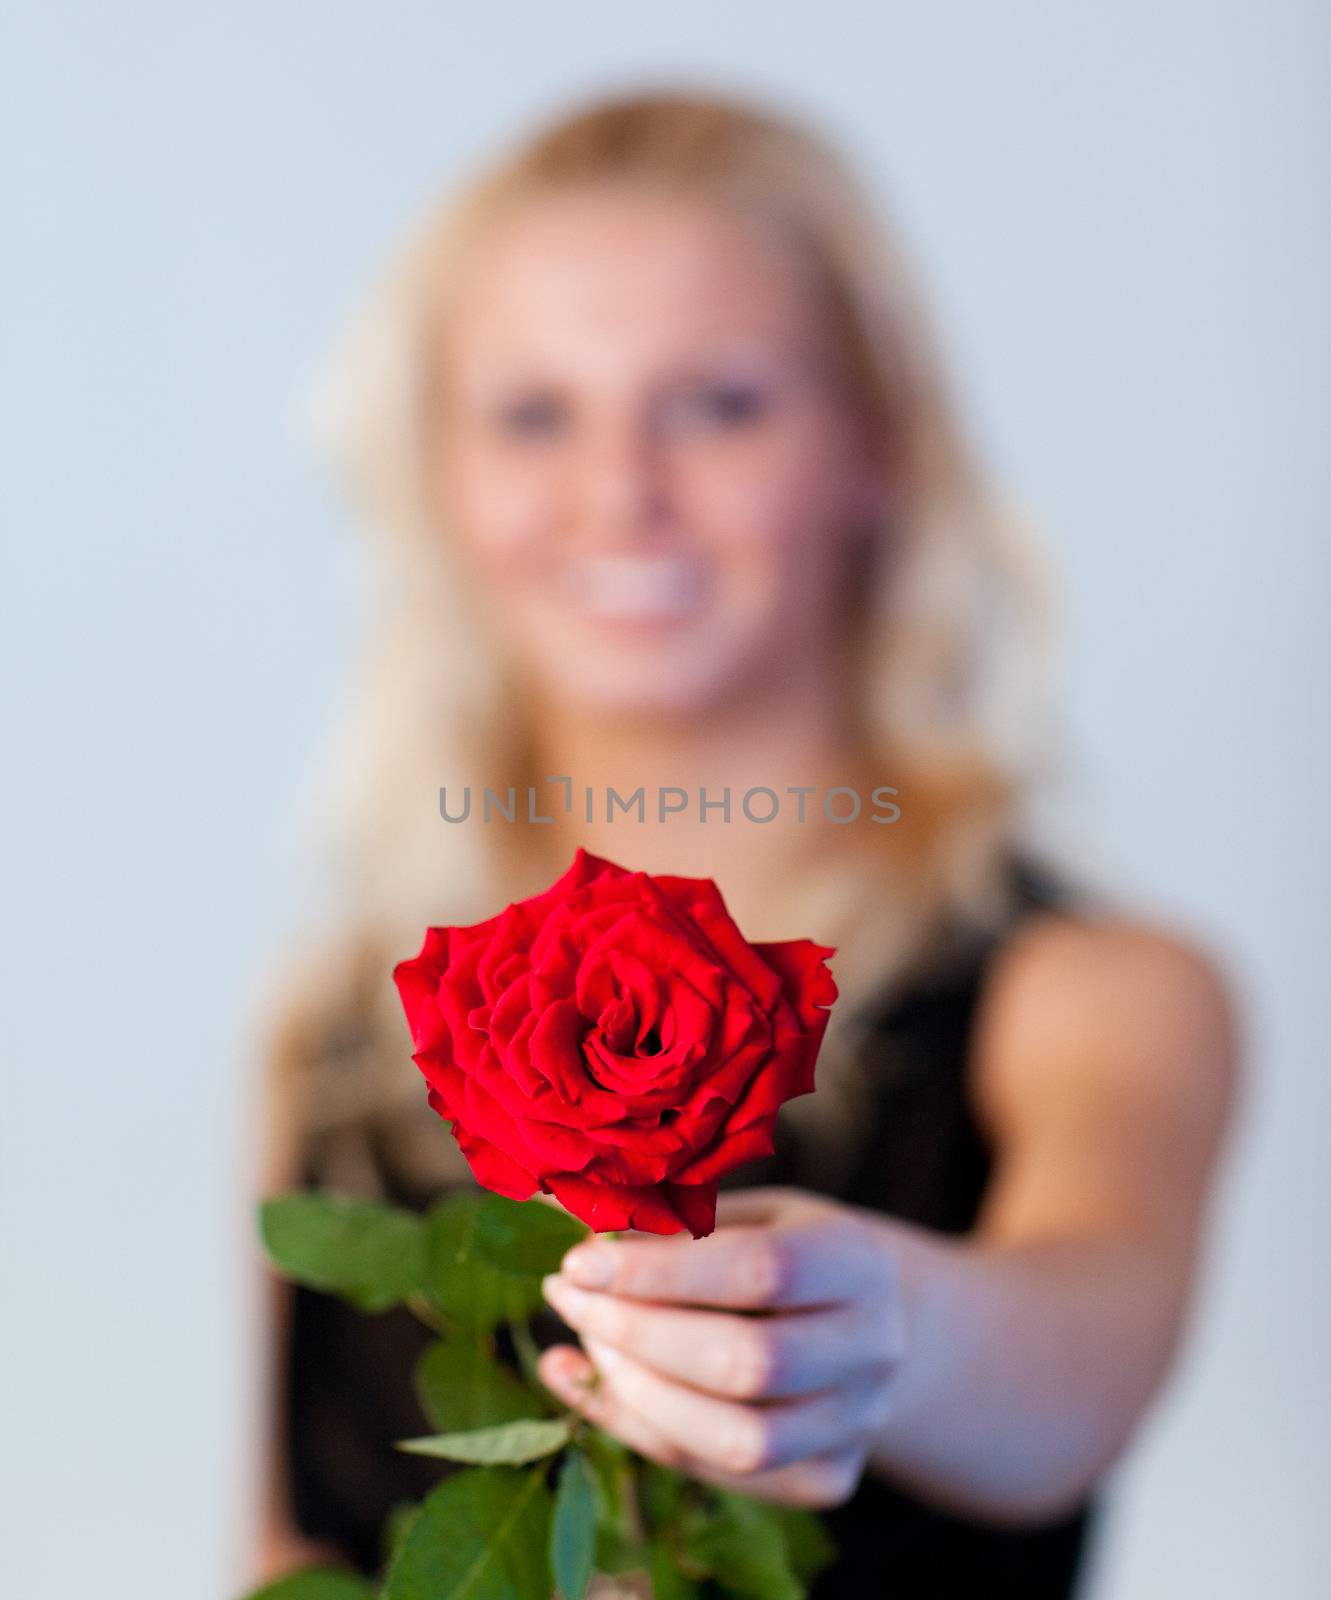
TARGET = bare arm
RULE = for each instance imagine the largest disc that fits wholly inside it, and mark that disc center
(1105, 1069)
(276, 1545)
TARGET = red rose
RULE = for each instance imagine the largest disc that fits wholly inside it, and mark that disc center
(615, 1042)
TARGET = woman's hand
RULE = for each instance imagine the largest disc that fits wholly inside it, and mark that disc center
(771, 1356)
(759, 1358)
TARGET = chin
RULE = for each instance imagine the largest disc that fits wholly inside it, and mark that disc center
(638, 671)
(625, 696)
(665, 685)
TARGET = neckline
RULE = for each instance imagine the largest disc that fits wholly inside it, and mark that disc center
(953, 961)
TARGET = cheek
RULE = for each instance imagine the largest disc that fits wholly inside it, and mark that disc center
(501, 513)
(775, 519)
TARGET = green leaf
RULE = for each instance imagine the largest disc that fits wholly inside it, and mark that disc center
(401, 1519)
(370, 1254)
(655, 1559)
(613, 1464)
(663, 1494)
(471, 1293)
(742, 1545)
(573, 1530)
(317, 1583)
(528, 1354)
(526, 1237)
(481, 1535)
(508, 1443)
(461, 1386)
(615, 1554)
(809, 1545)
(668, 1582)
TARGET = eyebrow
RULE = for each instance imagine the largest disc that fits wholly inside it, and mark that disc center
(707, 362)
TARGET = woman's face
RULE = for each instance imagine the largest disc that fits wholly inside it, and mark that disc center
(644, 452)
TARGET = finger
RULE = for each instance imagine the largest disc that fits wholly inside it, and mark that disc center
(570, 1376)
(815, 1482)
(728, 1436)
(765, 1205)
(739, 1357)
(744, 1267)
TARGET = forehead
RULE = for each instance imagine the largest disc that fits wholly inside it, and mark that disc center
(621, 275)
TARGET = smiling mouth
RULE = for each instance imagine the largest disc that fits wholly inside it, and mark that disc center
(637, 588)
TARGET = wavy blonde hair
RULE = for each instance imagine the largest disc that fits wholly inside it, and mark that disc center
(948, 639)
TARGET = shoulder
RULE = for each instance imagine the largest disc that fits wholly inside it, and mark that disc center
(1125, 1012)
(1140, 978)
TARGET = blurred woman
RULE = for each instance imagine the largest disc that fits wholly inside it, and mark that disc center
(673, 498)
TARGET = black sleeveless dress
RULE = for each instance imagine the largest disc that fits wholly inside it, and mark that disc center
(349, 1393)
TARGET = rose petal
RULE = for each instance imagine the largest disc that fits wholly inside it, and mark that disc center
(696, 1204)
(607, 1209)
(728, 1150)
(615, 1041)
(493, 1168)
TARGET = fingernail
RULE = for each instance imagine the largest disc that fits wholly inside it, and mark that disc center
(587, 1265)
(567, 1372)
(561, 1294)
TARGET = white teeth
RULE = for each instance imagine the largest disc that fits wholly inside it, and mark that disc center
(632, 588)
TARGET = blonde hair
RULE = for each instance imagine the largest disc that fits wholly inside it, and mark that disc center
(949, 637)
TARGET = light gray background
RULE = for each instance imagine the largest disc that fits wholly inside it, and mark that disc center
(1122, 213)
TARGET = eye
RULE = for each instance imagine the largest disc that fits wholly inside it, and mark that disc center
(531, 416)
(720, 404)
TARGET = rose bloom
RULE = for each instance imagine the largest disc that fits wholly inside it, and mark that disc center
(615, 1042)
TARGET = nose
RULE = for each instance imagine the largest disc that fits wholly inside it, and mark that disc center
(625, 489)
